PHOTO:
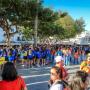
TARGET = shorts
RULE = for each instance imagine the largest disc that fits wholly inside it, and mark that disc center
(30, 57)
(21, 57)
(38, 56)
(44, 57)
(6, 58)
(25, 57)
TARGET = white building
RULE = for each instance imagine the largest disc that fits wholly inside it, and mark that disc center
(17, 39)
(83, 38)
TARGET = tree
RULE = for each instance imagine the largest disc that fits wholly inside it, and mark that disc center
(27, 33)
(70, 26)
(80, 25)
(8, 18)
(19, 12)
(36, 19)
(47, 26)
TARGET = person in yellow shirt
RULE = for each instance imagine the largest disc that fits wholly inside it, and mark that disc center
(85, 65)
(2, 61)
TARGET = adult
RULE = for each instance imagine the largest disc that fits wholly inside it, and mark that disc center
(55, 76)
(60, 64)
(10, 79)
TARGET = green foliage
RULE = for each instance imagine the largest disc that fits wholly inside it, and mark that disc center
(27, 33)
(51, 23)
(80, 25)
(70, 26)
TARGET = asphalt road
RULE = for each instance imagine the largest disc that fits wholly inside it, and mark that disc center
(37, 78)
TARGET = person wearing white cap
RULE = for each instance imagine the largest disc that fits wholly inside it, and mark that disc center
(60, 63)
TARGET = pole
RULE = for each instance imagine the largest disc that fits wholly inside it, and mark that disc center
(36, 25)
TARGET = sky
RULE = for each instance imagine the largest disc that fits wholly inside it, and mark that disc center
(75, 8)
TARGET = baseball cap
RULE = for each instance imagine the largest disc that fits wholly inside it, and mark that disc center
(58, 58)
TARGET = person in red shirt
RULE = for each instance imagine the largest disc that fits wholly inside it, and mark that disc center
(76, 56)
(60, 64)
(10, 78)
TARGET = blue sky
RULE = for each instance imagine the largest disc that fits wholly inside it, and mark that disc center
(76, 8)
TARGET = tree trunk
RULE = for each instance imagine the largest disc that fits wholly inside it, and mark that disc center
(8, 38)
(36, 25)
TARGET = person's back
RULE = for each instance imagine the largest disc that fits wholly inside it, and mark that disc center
(79, 81)
(17, 84)
(10, 79)
(77, 84)
(57, 87)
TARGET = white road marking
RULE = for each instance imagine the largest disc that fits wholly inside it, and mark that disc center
(47, 74)
(35, 76)
(68, 67)
(36, 83)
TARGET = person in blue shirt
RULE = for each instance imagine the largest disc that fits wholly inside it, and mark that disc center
(10, 55)
(43, 54)
(48, 56)
(38, 57)
(34, 56)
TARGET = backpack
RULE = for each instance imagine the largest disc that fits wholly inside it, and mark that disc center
(65, 84)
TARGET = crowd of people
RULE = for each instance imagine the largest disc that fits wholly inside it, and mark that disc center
(57, 55)
(44, 54)
(59, 78)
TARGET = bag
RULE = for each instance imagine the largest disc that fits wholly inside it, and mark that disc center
(50, 82)
(65, 84)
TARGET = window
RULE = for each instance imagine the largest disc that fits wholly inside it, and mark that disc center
(18, 38)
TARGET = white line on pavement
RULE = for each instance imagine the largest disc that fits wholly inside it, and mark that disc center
(30, 72)
(72, 66)
(47, 74)
(36, 68)
(36, 83)
(35, 76)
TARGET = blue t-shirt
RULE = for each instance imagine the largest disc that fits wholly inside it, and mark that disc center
(43, 53)
(38, 54)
